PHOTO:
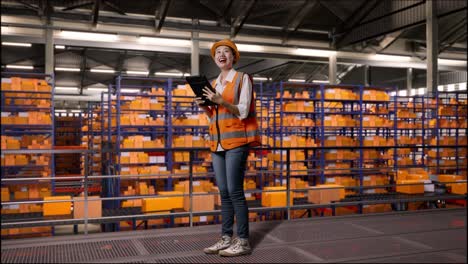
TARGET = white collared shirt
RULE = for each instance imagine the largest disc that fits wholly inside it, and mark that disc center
(245, 97)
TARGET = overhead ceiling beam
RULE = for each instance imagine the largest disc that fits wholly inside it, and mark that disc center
(71, 7)
(225, 12)
(114, 7)
(388, 40)
(83, 69)
(240, 20)
(336, 12)
(279, 71)
(218, 15)
(95, 14)
(296, 21)
(29, 6)
(269, 12)
(317, 69)
(454, 40)
(160, 14)
(120, 63)
(353, 20)
(452, 31)
(296, 70)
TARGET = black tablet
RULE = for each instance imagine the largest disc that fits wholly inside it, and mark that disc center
(197, 83)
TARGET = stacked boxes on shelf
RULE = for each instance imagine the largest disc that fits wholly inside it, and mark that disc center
(27, 124)
(448, 128)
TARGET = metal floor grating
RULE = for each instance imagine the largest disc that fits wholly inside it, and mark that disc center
(422, 236)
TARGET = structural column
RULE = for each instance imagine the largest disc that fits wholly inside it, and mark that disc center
(432, 50)
(195, 56)
(409, 80)
(49, 51)
(367, 75)
(332, 69)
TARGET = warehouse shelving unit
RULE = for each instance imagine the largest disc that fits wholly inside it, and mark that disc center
(448, 132)
(27, 125)
(68, 133)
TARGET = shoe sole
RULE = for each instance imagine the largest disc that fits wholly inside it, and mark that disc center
(207, 251)
(234, 255)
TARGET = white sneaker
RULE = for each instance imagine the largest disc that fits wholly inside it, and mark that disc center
(223, 243)
(240, 246)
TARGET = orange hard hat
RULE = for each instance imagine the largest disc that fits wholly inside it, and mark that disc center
(229, 43)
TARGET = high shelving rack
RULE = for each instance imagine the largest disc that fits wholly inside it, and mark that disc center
(448, 133)
(68, 133)
(27, 124)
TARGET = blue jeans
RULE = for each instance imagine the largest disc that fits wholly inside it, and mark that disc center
(229, 167)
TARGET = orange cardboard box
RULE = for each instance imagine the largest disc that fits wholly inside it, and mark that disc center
(59, 208)
(203, 202)
(94, 207)
(410, 189)
(319, 195)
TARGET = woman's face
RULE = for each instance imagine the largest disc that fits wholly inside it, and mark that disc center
(224, 57)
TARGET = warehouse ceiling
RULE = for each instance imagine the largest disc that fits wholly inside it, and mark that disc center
(367, 26)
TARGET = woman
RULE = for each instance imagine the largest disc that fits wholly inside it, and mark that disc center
(233, 129)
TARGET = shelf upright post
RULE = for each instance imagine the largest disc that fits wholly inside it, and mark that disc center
(170, 131)
(457, 146)
(423, 130)
(52, 114)
(438, 131)
(361, 140)
(395, 133)
(118, 169)
(282, 130)
(262, 97)
(322, 134)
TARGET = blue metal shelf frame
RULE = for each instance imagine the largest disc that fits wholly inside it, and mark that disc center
(440, 97)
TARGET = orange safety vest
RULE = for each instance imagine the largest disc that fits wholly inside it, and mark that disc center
(225, 127)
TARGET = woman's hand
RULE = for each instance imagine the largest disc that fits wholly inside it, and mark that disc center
(199, 101)
(214, 97)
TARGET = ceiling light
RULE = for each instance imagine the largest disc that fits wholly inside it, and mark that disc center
(451, 62)
(451, 87)
(64, 88)
(186, 74)
(59, 46)
(314, 52)
(320, 81)
(392, 93)
(421, 91)
(462, 86)
(88, 36)
(76, 111)
(296, 80)
(402, 93)
(165, 41)
(20, 67)
(260, 78)
(102, 71)
(249, 48)
(390, 57)
(178, 74)
(440, 88)
(137, 72)
(16, 44)
(60, 110)
(129, 90)
(413, 92)
(67, 69)
(97, 89)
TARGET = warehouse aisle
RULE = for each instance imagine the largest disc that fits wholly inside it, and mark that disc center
(437, 236)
